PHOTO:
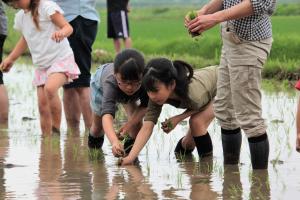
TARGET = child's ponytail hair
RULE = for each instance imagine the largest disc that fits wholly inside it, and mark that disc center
(130, 64)
(33, 7)
(166, 71)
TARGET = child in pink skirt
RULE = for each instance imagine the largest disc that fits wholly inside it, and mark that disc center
(297, 86)
(44, 31)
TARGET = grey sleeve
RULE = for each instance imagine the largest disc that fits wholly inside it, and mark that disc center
(263, 6)
(109, 103)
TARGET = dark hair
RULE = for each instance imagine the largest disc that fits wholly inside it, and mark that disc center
(166, 71)
(33, 7)
(130, 64)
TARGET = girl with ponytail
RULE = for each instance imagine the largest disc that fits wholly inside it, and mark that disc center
(177, 84)
(44, 32)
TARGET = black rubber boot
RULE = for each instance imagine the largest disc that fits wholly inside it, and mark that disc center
(179, 149)
(259, 150)
(231, 143)
(128, 145)
(204, 145)
(95, 142)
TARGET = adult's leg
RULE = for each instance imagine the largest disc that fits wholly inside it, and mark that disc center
(72, 108)
(77, 93)
(117, 45)
(224, 110)
(246, 62)
(53, 83)
(3, 93)
(128, 42)
(4, 105)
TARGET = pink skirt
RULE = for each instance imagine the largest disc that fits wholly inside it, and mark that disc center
(67, 66)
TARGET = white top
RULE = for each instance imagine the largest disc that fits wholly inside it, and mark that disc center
(43, 49)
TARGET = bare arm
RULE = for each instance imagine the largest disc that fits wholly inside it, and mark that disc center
(65, 28)
(185, 114)
(211, 7)
(107, 123)
(140, 141)
(205, 22)
(20, 47)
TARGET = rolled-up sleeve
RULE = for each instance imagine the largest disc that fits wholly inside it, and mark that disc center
(153, 112)
(263, 6)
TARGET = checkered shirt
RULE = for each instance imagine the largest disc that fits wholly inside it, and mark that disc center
(257, 26)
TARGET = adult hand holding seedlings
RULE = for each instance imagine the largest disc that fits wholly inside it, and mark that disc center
(190, 16)
(202, 23)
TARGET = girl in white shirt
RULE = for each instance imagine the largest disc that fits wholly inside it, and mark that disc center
(44, 31)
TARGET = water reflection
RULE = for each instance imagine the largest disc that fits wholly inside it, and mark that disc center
(61, 167)
(4, 143)
(260, 186)
(50, 169)
(232, 186)
(76, 176)
(200, 174)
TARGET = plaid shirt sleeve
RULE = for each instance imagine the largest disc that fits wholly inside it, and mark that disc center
(263, 6)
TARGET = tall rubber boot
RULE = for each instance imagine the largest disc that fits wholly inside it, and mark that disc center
(179, 149)
(259, 151)
(204, 145)
(231, 143)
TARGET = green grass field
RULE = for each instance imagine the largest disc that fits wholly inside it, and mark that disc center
(160, 32)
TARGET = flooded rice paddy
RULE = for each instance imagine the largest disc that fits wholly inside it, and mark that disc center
(61, 167)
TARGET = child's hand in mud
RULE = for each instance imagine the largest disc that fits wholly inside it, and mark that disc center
(118, 149)
(298, 143)
(6, 65)
(169, 124)
(58, 36)
(125, 161)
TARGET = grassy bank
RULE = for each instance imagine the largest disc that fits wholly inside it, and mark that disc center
(160, 32)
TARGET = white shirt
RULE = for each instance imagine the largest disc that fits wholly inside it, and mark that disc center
(43, 49)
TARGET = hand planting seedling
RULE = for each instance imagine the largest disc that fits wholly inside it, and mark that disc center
(167, 125)
(192, 15)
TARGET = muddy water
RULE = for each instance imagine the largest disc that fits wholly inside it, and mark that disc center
(61, 167)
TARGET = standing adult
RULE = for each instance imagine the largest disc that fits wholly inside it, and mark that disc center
(117, 23)
(83, 17)
(3, 92)
(247, 41)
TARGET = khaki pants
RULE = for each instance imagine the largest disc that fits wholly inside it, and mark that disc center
(238, 100)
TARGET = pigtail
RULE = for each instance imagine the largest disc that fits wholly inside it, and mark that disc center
(185, 73)
(34, 9)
